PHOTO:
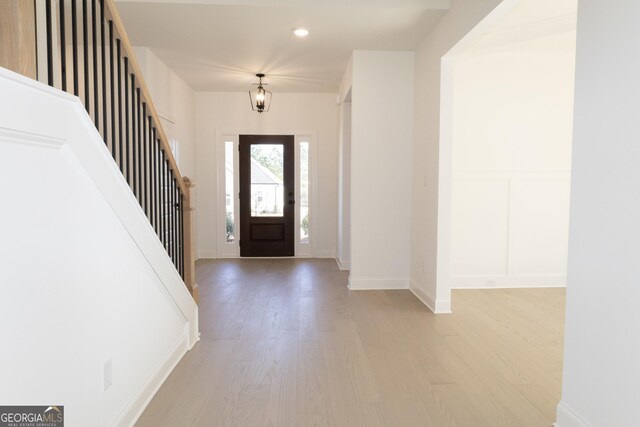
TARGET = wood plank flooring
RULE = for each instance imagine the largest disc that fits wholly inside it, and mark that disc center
(285, 343)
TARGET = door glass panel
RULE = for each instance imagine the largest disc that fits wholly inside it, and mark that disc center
(229, 195)
(304, 192)
(267, 190)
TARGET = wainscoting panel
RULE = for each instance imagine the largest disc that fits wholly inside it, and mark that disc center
(509, 229)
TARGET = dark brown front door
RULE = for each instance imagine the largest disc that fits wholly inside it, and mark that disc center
(266, 195)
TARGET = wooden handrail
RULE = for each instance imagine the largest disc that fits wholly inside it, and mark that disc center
(112, 13)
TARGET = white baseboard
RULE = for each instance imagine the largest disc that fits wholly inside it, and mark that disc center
(324, 253)
(207, 255)
(343, 265)
(497, 282)
(139, 403)
(377, 283)
(213, 255)
(437, 306)
(566, 417)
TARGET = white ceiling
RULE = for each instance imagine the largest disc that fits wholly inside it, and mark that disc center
(219, 45)
(527, 23)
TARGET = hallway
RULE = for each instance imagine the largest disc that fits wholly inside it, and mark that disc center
(285, 343)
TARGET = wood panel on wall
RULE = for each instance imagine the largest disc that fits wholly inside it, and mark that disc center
(18, 36)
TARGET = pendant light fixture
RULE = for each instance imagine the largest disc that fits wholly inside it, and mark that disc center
(260, 98)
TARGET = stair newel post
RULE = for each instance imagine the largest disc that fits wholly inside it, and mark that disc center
(189, 258)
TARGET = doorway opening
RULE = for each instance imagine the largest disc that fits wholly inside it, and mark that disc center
(505, 150)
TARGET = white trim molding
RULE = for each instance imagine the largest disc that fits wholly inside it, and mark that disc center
(138, 404)
(209, 255)
(566, 417)
(436, 305)
(21, 137)
(377, 283)
(343, 265)
(323, 253)
(508, 281)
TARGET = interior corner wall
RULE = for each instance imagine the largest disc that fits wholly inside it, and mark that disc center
(601, 373)
(512, 130)
(219, 113)
(381, 136)
(458, 21)
(343, 250)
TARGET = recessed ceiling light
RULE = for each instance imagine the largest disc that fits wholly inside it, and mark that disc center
(301, 32)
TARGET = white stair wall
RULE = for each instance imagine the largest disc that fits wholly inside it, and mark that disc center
(84, 281)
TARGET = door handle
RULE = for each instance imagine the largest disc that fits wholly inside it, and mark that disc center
(291, 202)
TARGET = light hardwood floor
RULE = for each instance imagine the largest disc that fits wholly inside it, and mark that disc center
(285, 343)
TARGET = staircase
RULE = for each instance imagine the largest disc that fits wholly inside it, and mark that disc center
(97, 290)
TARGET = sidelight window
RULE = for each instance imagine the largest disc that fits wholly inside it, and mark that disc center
(229, 179)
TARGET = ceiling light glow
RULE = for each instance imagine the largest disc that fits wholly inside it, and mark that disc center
(301, 32)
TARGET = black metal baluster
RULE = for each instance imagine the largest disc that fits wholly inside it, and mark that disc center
(163, 200)
(113, 93)
(159, 179)
(104, 74)
(160, 195)
(126, 118)
(49, 26)
(63, 48)
(156, 177)
(85, 40)
(134, 135)
(178, 229)
(172, 211)
(154, 187)
(139, 149)
(94, 39)
(74, 42)
(167, 202)
(145, 156)
(120, 139)
(181, 213)
(177, 226)
(169, 211)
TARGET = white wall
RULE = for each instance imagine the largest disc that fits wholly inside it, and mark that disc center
(602, 349)
(343, 250)
(175, 102)
(381, 136)
(512, 129)
(343, 253)
(84, 278)
(219, 113)
(463, 15)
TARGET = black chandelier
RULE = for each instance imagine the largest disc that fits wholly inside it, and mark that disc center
(260, 98)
